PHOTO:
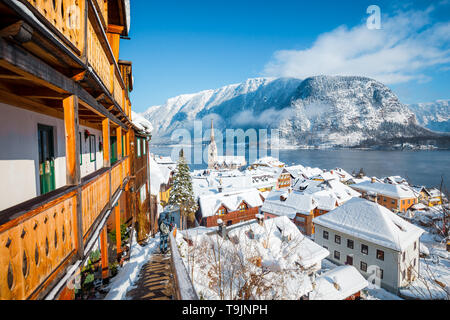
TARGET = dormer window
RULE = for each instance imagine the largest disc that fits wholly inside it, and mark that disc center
(221, 212)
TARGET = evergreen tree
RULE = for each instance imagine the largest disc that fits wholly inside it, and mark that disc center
(182, 193)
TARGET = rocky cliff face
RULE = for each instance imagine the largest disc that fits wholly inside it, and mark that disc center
(434, 115)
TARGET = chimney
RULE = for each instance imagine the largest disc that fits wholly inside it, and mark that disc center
(222, 231)
(260, 218)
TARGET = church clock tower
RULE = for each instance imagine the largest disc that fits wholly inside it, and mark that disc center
(212, 149)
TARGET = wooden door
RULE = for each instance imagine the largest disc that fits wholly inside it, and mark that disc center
(113, 150)
(46, 159)
(349, 261)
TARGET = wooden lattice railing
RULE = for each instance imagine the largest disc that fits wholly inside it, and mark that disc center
(98, 59)
(103, 6)
(118, 92)
(35, 245)
(94, 197)
(67, 16)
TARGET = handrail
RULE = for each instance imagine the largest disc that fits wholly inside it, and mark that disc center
(183, 284)
(38, 238)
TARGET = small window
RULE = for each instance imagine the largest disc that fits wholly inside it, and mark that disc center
(337, 239)
(92, 148)
(380, 255)
(363, 266)
(138, 142)
(350, 244)
(415, 245)
(221, 212)
(414, 263)
(364, 249)
(384, 200)
(144, 144)
(325, 235)
(393, 201)
(404, 256)
(337, 255)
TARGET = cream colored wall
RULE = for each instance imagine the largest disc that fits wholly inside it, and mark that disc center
(88, 167)
(19, 154)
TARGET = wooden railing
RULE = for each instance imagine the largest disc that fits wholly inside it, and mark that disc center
(38, 242)
(35, 246)
(98, 59)
(67, 16)
(103, 6)
(118, 92)
(116, 176)
(94, 196)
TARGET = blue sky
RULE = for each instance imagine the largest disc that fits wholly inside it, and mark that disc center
(186, 46)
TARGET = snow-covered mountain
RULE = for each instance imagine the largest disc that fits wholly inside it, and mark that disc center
(322, 110)
(434, 115)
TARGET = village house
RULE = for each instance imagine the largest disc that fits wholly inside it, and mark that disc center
(298, 207)
(341, 283)
(381, 245)
(74, 161)
(395, 197)
(267, 162)
(230, 207)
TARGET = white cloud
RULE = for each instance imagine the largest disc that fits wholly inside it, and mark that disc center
(401, 51)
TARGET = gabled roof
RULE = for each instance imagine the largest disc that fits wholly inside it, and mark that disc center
(338, 284)
(371, 222)
(210, 203)
(295, 203)
(392, 190)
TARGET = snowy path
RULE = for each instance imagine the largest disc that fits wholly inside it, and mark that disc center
(129, 273)
(155, 280)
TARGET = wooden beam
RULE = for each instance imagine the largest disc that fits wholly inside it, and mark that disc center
(71, 124)
(118, 233)
(104, 252)
(106, 143)
(119, 142)
(23, 63)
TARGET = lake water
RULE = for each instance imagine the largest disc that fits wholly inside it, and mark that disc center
(420, 167)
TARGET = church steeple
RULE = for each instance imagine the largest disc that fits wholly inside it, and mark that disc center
(212, 149)
(212, 130)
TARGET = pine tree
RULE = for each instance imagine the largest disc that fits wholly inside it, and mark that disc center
(182, 193)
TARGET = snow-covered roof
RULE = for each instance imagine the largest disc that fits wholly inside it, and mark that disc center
(210, 203)
(338, 284)
(269, 161)
(231, 160)
(303, 250)
(371, 222)
(295, 203)
(392, 190)
(142, 123)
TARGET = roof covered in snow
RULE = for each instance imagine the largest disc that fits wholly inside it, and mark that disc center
(371, 222)
(391, 190)
(211, 203)
(338, 284)
(141, 123)
(295, 203)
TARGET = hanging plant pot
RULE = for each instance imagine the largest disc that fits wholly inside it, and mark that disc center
(86, 134)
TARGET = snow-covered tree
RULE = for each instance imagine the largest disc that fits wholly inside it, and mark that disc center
(182, 193)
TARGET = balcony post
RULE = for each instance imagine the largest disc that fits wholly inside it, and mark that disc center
(119, 143)
(104, 252)
(118, 234)
(106, 143)
(73, 172)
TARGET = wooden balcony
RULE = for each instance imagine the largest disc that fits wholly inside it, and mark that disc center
(67, 16)
(118, 92)
(39, 238)
(98, 59)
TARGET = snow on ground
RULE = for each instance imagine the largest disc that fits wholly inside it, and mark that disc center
(129, 273)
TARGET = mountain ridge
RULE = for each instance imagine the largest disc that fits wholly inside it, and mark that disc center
(319, 111)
